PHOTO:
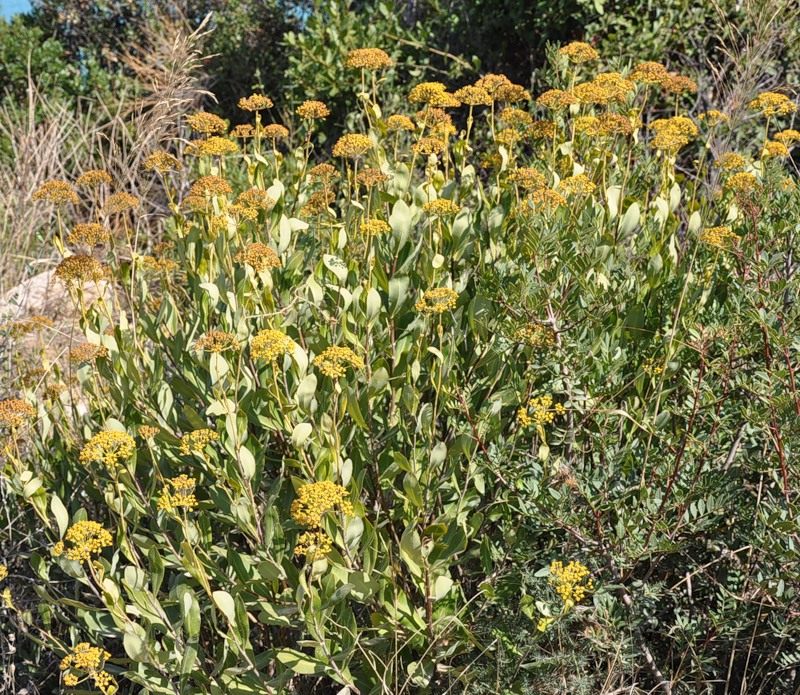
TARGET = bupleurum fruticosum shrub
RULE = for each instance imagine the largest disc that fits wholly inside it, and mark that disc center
(498, 395)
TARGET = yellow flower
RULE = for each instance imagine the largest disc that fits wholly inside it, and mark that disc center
(712, 117)
(743, 183)
(93, 177)
(80, 269)
(86, 538)
(317, 203)
(399, 122)
(313, 544)
(274, 131)
(511, 93)
(256, 199)
(544, 199)
(87, 352)
(210, 185)
(579, 52)
(323, 172)
(544, 411)
(213, 146)
(3, 572)
(437, 301)
(473, 96)
(428, 146)
(730, 161)
(109, 448)
(604, 89)
(649, 72)
(374, 227)
(535, 335)
(85, 662)
(333, 361)
(243, 131)
(773, 104)
(368, 59)
(426, 92)
(162, 161)
(317, 499)
(571, 582)
(207, 123)
(541, 130)
(679, 84)
(527, 178)
(576, 185)
(159, 265)
(556, 99)
(120, 202)
(311, 110)
(195, 442)
(371, 177)
(182, 495)
(17, 329)
(270, 344)
(89, 234)
(441, 207)
(352, 146)
(259, 257)
(615, 124)
(255, 102)
(516, 118)
(57, 193)
(14, 412)
(774, 149)
(718, 236)
(148, 432)
(216, 342)
(787, 137)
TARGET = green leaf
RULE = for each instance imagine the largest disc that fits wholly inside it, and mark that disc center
(224, 601)
(300, 433)
(300, 663)
(60, 513)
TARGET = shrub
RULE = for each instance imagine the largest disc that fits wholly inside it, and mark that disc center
(507, 407)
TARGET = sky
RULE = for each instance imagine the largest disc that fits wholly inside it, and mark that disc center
(11, 7)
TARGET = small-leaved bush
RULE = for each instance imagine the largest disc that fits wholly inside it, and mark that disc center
(491, 394)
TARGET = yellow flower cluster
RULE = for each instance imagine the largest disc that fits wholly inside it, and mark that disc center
(3, 572)
(86, 538)
(255, 198)
(351, 146)
(743, 183)
(93, 178)
(317, 203)
(545, 199)
(718, 236)
(87, 352)
(207, 123)
(374, 227)
(774, 149)
(109, 448)
(527, 178)
(159, 265)
(214, 146)
(535, 335)
(437, 301)
(787, 137)
(441, 207)
(255, 102)
(270, 344)
(571, 582)
(258, 256)
(399, 122)
(649, 72)
(673, 133)
(580, 184)
(333, 361)
(14, 412)
(217, 342)
(556, 99)
(712, 117)
(119, 203)
(323, 172)
(80, 269)
(313, 502)
(604, 89)
(148, 432)
(368, 59)
(210, 185)
(274, 131)
(730, 161)
(428, 146)
(371, 177)
(311, 110)
(544, 411)
(473, 96)
(17, 329)
(515, 117)
(91, 661)
(651, 367)
(773, 104)
(195, 442)
(243, 131)
(162, 161)
(679, 84)
(89, 234)
(57, 193)
(579, 52)
(182, 494)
